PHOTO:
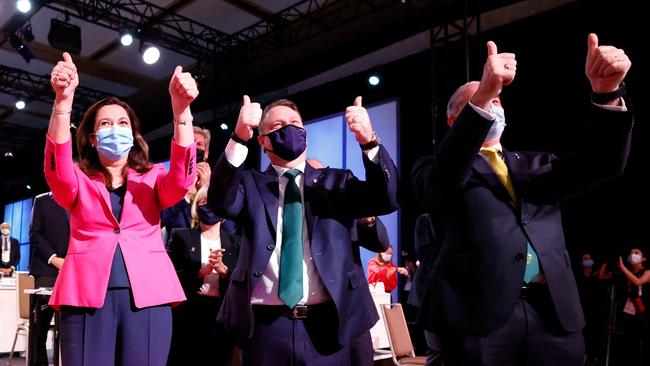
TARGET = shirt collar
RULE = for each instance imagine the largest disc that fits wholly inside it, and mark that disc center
(280, 170)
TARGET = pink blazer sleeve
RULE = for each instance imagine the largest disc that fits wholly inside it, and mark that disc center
(61, 173)
(171, 187)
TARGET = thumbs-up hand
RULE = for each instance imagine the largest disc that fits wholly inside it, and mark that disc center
(499, 71)
(182, 89)
(64, 78)
(358, 120)
(606, 66)
(250, 115)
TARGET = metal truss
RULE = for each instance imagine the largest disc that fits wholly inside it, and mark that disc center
(294, 24)
(37, 87)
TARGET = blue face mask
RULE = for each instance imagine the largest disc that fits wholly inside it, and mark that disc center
(588, 263)
(114, 143)
(206, 216)
(499, 124)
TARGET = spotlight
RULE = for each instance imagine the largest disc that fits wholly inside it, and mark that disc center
(24, 6)
(20, 104)
(374, 80)
(27, 33)
(9, 154)
(64, 36)
(126, 39)
(151, 54)
(21, 47)
(223, 126)
(29, 188)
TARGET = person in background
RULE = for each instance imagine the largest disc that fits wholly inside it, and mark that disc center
(179, 216)
(588, 290)
(10, 249)
(427, 248)
(636, 308)
(117, 284)
(49, 235)
(382, 269)
(204, 259)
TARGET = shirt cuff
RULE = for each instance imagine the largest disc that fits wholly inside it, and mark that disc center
(236, 153)
(613, 108)
(49, 260)
(485, 114)
(372, 154)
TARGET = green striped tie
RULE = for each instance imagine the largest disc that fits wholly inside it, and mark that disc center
(290, 290)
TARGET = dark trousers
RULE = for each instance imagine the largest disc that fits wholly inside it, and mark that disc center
(531, 337)
(361, 351)
(42, 317)
(280, 341)
(198, 339)
(434, 349)
(116, 334)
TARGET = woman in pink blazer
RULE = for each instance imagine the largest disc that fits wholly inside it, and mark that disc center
(117, 284)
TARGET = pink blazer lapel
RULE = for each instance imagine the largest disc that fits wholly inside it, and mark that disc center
(106, 200)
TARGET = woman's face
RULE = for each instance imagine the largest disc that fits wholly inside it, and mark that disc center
(202, 201)
(389, 251)
(636, 251)
(111, 115)
(586, 257)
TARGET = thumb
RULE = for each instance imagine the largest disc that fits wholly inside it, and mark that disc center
(178, 70)
(491, 48)
(67, 57)
(592, 43)
(247, 100)
(357, 101)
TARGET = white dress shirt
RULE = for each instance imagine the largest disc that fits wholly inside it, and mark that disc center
(6, 248)
(210, 286)
(266, 291)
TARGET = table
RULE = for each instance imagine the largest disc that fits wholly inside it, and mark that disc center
(9, 316)
(44, 292)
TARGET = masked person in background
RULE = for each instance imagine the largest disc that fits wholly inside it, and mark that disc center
(382, 269)
(10, 248)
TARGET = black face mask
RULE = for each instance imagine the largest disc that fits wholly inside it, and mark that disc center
(206, 216)
(288, 142)
(200, 155)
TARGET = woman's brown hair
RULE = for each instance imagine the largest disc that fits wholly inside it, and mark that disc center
(89, 163)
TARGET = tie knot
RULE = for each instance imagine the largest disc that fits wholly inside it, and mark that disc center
(292, 173)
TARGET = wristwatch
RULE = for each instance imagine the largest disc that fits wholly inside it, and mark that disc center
(374, 141)
(237, 139)
(603, 98)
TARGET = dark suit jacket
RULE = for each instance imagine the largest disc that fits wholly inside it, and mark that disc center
(477, 279)
(177, 216)
(49, 233)
(427, 248)
(334, 198)
(375, 239)
(185, 253)
(14, 256)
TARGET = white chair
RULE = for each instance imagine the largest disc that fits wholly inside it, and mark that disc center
(23, 282)
(401, 345)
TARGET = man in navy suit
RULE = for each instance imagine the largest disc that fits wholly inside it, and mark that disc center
(296, 296)
(502, 291)
(49, 235)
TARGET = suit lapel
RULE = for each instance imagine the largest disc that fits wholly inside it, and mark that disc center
(312, 176)
(194, 246)
(485, 171)
(268, 185)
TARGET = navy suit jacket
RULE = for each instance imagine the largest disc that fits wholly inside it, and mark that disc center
(49, 233)
(334, 198)
(375, 239)
(477, 278)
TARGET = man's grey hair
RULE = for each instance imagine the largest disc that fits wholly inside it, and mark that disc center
(205, 133)
(456, 104)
